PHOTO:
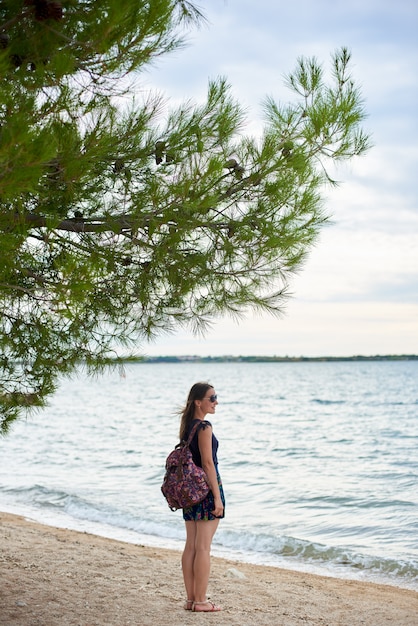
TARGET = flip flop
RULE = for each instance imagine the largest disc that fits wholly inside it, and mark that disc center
(211, 607)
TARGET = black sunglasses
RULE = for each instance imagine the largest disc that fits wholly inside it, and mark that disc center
(212, 398)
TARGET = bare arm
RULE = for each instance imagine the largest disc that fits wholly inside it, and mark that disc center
(205, 448)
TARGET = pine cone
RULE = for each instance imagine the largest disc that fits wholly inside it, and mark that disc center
(47, 10)
(4, 40)
(16, 60)
(118, 165)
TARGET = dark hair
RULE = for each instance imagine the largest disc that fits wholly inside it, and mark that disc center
(197, 392)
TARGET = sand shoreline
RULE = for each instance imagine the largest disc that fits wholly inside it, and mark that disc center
(58, 577)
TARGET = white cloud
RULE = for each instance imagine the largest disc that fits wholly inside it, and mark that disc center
(308, 329)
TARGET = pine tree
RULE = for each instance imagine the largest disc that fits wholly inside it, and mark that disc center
(119, 222)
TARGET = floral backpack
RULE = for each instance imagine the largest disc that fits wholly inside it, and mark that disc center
(184, 484)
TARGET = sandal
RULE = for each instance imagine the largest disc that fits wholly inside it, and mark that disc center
(188, 605)
(207, 603)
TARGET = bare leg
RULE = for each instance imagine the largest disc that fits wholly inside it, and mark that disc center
(195, 560)
(205, 531)
(187, 559)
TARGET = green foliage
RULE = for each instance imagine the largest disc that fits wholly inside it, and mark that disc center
(121, 222)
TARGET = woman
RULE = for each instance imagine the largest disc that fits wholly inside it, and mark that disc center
(201, 519)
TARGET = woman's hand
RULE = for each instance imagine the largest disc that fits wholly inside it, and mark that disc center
(219, 508)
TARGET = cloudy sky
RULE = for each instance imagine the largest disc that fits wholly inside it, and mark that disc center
(358, 291)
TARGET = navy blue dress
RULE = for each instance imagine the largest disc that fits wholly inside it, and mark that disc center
(203, 510)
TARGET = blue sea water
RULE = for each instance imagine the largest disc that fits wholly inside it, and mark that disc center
(319, 462)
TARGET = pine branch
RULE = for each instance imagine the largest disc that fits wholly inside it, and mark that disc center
(116, 225)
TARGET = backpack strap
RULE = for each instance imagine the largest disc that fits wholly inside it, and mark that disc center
(192, 433)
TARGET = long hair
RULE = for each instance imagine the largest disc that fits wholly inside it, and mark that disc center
(197, 392)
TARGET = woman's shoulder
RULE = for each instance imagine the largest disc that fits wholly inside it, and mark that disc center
(203, 424)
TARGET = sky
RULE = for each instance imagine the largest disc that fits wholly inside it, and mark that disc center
(357, 294)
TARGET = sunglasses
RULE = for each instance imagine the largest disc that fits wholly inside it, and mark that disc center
(212, 398)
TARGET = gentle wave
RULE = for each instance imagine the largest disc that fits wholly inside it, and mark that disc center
(321, 401)
(265, 548)
(291, 547)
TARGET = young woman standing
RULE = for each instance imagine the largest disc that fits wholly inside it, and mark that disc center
(201, 519)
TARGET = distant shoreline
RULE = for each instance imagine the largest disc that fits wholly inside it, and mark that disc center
(267, 359)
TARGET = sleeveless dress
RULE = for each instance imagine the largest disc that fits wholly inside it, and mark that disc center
(203, 510)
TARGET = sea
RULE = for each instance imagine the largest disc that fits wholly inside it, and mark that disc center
(319, 462)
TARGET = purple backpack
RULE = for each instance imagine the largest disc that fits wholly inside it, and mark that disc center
(184, 484)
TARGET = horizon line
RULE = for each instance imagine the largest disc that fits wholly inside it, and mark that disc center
(261, 357)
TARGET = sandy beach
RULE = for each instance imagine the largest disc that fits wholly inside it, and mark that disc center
(57, 577)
